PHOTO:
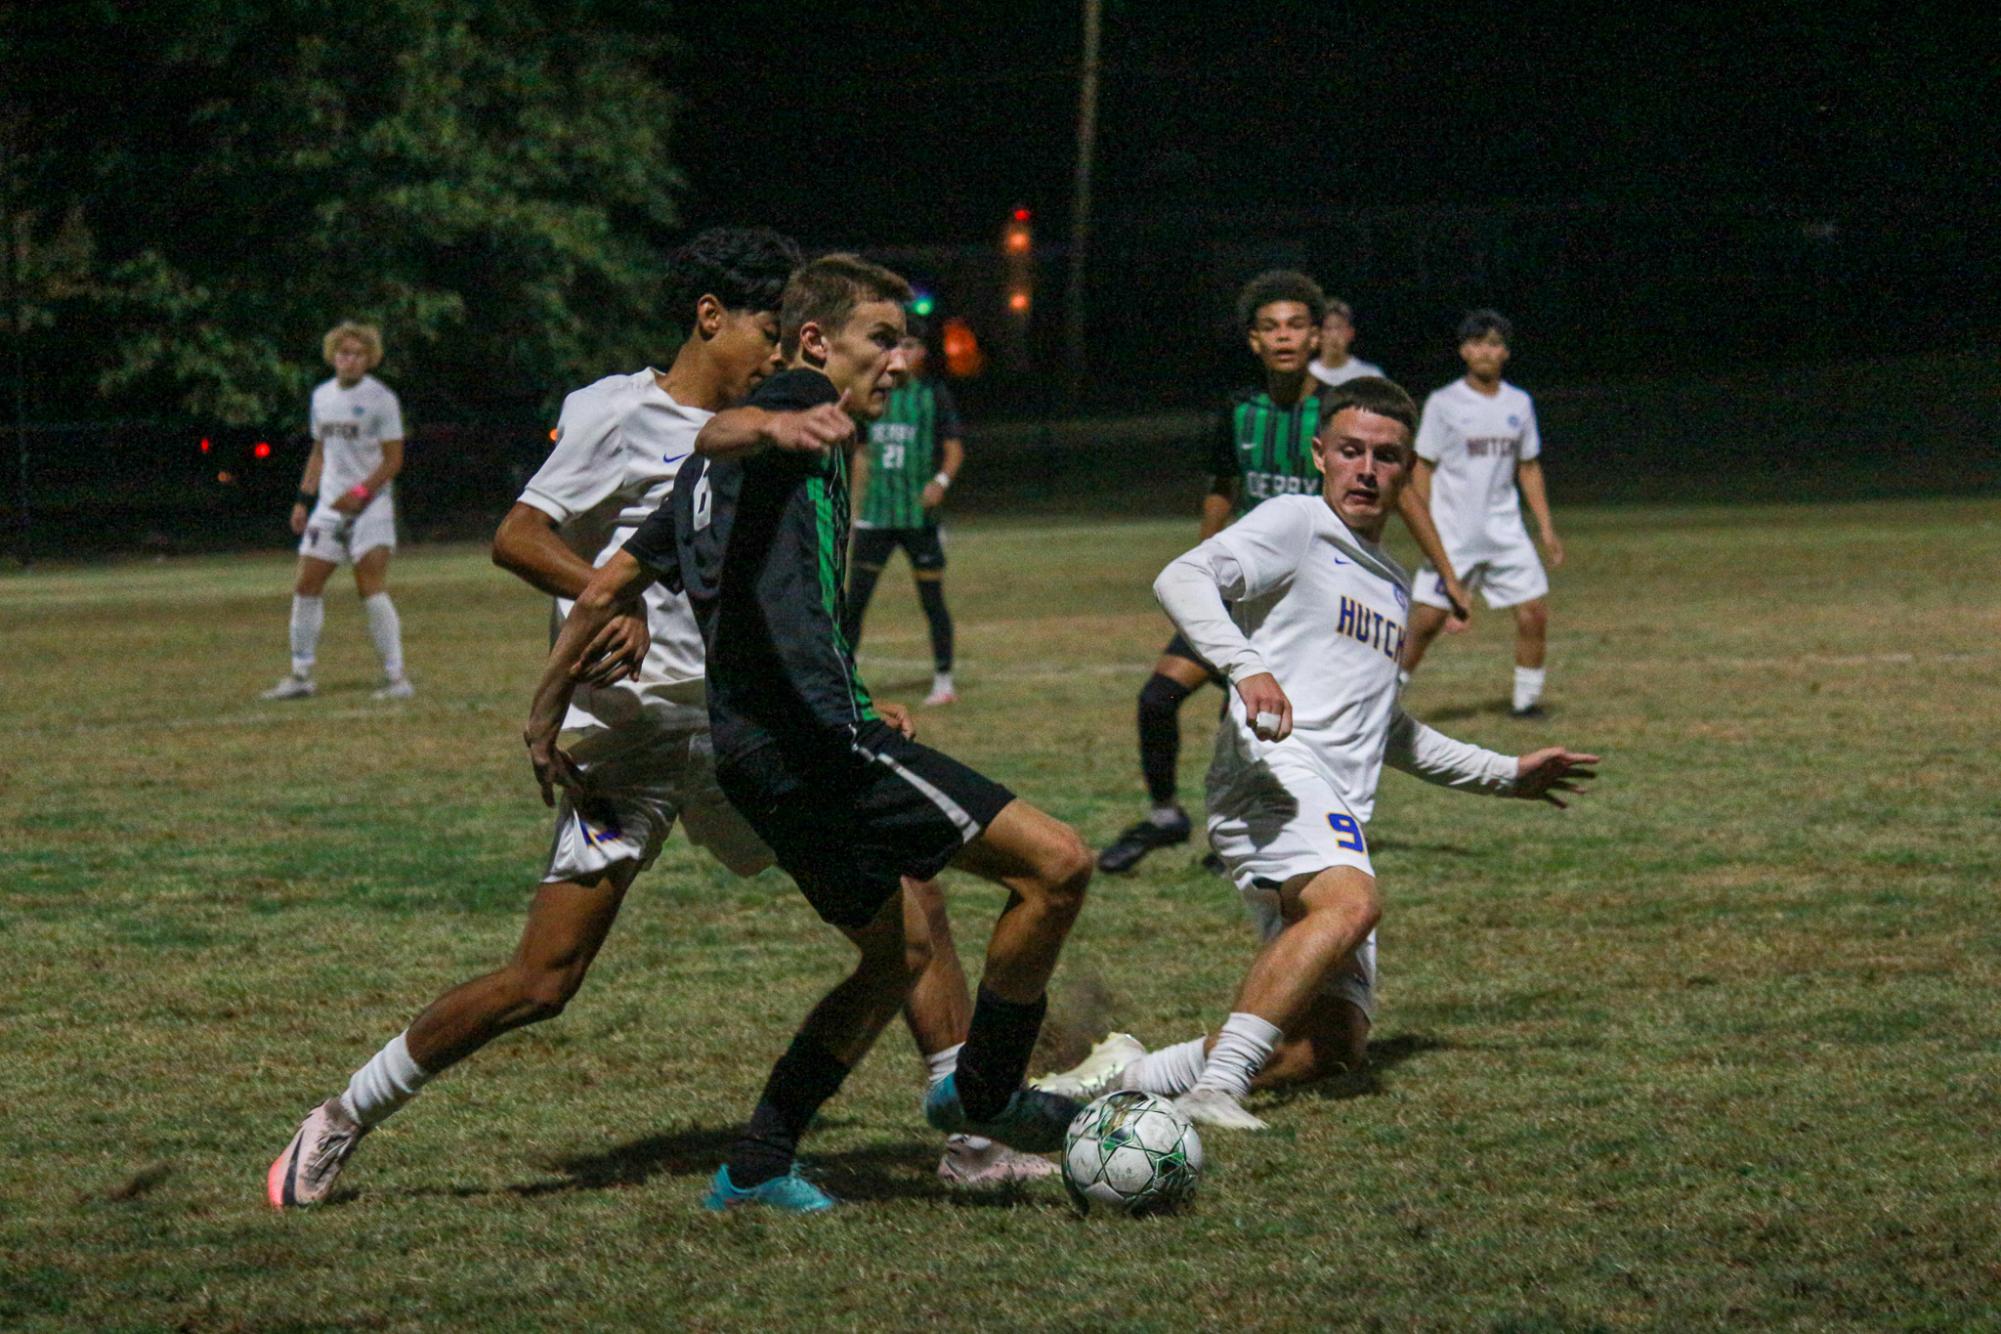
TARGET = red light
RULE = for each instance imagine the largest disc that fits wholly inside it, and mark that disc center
(1021, 215)
(1017, 239)
(225, 477)
(555, 433)
(261, 450)
(204, 444)
(1018, 302)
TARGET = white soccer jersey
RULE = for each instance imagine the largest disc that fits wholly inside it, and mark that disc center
(351, 424)
(1474, 441)
(1323, 610)
(620, 442)
(1354, 368)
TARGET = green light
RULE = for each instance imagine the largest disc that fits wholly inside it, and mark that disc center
(922, 305)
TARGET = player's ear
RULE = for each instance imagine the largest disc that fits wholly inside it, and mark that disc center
(1319, 454)
(813, 342)
(708, 316)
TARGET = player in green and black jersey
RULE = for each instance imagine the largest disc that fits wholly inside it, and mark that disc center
(1262, 447)
(914, 451)
(849, 804)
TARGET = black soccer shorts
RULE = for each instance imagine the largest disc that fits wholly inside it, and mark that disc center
(874, 546)
(850, 829)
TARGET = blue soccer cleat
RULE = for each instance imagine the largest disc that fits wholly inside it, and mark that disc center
(1032, 1121)
(791, 1192)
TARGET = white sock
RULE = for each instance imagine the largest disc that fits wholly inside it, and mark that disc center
(1241, 1050)
(308, 615)
(940, 1064)
(1170, 1070)
(389, 1080)
(941, 684)
(1168, 816)
(1528, 686)
(1403, 677)
(387, 632)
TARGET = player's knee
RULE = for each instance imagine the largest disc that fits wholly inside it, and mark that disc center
(542, 993)
(1066, 873)
(1161, 697)
(1533, 619)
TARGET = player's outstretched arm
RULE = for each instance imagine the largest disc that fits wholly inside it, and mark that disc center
(739, 432)
(1541, 774)
(579, 651)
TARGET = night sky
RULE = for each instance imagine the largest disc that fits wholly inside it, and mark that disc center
(911, 122)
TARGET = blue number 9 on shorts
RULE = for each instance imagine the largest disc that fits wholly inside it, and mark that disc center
(1349, 829)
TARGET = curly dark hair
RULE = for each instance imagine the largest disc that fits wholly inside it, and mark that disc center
(1480, 323)
(1279, 285)
(745, 268)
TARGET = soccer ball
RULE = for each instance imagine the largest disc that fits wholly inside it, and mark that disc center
(1132, 1152)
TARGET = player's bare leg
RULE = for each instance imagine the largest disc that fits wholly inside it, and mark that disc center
(1174, 679)
(385, 628)
(895, 949)
(1531, 644)
(308, 615)
(1425, 624)
(939, 1011)
(1045, 868)
(1331, 1038)
(1327, 915)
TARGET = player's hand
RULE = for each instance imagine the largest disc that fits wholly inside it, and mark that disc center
(348, 503)
(299, 516)
(898, 716)
(1266, 706)
(1462, 606)
(814, 431)
(616, 652)
(1541, 774)
(934, 495)
(1552, 548)
(553, 766)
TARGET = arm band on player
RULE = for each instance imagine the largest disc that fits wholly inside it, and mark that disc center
(360, 491)
(943, 479)
(306, 498)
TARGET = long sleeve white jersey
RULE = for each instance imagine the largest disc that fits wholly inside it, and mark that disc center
(1473, 442)
(1323, 610)
(619, 445)
(350, 423)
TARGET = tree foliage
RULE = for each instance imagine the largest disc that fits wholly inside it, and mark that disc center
(488, 180)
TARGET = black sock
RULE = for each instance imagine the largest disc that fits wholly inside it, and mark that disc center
(1160, 735)
(931, 595)
(996, 1053)
(861, 587)
(804, 1077)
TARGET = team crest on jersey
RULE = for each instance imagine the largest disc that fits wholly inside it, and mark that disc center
(1403, 598)
(1514, 420)
(359, 410)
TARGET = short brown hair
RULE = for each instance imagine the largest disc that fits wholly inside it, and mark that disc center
(367, 335)
(825, 291)
(1280, 285)
(1370, 393)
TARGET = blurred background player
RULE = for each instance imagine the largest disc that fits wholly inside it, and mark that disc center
(1262, 448)
(1477, 442)
(914, 451)
(1303, 610)
(1337, 334)
(346, 508)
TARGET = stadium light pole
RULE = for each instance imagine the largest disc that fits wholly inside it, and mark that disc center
(17, 315)
(1080, 206)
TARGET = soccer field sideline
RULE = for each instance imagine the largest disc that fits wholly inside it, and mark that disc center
(1712, 1048)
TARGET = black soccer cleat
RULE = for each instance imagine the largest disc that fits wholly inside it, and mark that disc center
(1532, 713)
(1137, 841)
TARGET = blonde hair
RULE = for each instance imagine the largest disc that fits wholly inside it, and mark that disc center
(367, 335)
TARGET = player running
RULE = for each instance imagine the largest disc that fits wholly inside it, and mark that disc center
(1477, 442)
(643, 759)
(1334, 365)
(915, 449)
(346, 508)
(1260, 450)
(757, 534)
(1300, 606)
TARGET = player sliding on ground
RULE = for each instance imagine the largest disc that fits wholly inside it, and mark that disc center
(757, 534)
(641, 758)
(1298, 604)
(1260, 450)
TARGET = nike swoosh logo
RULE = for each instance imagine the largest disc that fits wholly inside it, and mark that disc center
(1339, 561)
(675, 458)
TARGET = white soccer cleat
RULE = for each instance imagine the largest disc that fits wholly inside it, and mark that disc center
(1098, 1073)
(400, 688)
(941, 696)
(306, 1171)
(291, 687)
(983, 1164)
(1213, 1107)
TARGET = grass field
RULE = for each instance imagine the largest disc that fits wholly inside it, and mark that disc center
(1717, 1047)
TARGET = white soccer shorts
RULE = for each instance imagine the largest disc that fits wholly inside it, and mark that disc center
(341, 539)
(1280, 818)
(641, 779)
(1507, 578)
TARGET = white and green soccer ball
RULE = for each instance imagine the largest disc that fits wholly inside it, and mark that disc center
(1131, 1152)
